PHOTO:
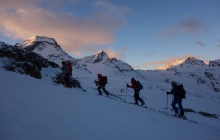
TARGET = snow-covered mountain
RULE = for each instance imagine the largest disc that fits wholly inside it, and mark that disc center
(48, 48)
(194, 61)
(192, 70)
(181, 63)
(173, 64)
(85, 69)
(118, 72)
(196, 71)
(102, 57)
(33, 108)
(24, 62)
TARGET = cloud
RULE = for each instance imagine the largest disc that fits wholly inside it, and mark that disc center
(112, 54)
(190, 26)
(17, 4)
(74, 34)
(200, 43)
(157, 64)
(124, 48)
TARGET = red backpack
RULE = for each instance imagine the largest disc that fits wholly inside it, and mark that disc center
(70, 67)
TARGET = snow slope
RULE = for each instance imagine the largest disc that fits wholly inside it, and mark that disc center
(32, 109)
(37, 109)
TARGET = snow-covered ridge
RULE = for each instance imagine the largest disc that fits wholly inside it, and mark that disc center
(174, 63)
(215, 63)
(194, 61)
(193, 70)
(34, 39)
(122, 65)
(2, 44)
(101, 55)
(181, 63)
(48, 48)
(102, 58)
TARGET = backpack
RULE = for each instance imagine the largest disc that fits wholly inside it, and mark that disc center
(139, 85)
(69, 66)
(104, 80)
(181, 92)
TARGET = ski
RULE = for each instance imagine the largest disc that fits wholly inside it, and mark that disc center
(144, 106)
(107, 96)
(115, 96)
(183, 118)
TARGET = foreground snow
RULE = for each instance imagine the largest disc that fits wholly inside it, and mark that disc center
(32, 109)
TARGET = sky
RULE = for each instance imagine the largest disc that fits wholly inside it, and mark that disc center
(143, 33)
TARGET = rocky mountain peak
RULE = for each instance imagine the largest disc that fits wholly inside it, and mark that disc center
(194, 61)
(32, 40)
(48, 48)
(39, 43)
(215, 63)
(100, 56)
(101, 52)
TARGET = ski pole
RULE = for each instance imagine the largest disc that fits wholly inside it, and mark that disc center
(126, 93)
(167, 104)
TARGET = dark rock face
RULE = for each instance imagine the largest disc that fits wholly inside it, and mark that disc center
(59, 79)
(23, 61)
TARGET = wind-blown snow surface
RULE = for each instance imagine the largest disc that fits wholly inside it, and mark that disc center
(32, 109)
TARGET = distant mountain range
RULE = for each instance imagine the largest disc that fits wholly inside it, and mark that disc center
(192, 70)
(190, 61)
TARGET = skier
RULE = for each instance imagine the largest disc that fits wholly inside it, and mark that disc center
(101, 84)
(136, 91)
(177, 100)
(66, 73)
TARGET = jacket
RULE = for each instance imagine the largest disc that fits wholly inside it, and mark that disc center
(133, 85)
(174, 91)
(100, 82)
(65, 68)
